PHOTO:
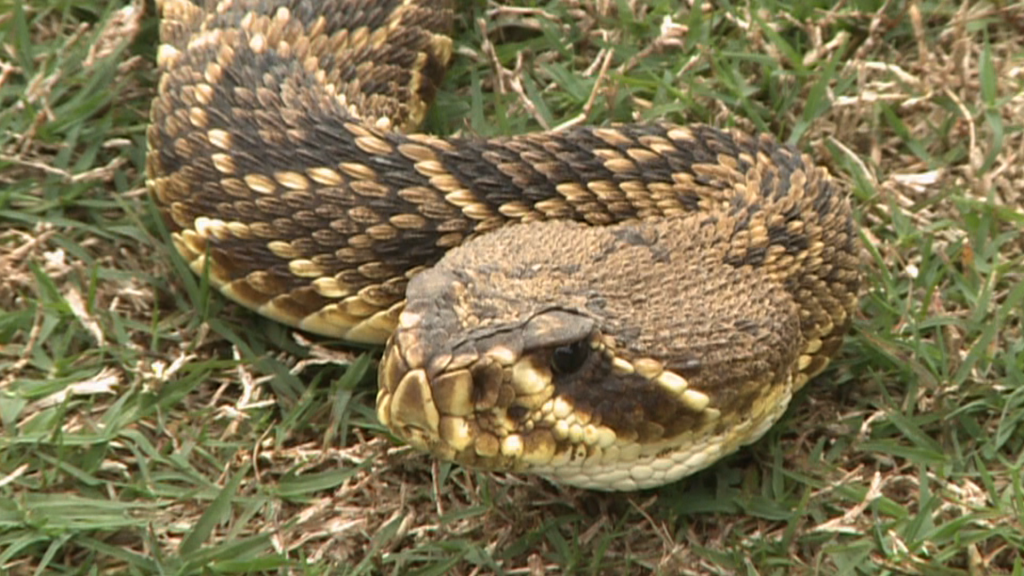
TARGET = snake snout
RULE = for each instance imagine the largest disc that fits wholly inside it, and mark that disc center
(474, 401)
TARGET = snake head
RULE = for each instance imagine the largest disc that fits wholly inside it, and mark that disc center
(532, 349)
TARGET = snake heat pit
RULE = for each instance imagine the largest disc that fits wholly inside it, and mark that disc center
(610, 307)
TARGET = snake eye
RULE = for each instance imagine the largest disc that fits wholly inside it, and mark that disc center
(569, 358)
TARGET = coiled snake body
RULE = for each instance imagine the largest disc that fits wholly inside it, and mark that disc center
(610, 307)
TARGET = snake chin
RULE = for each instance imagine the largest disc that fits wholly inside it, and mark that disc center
(527, 363)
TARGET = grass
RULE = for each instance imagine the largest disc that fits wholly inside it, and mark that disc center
(149, 427)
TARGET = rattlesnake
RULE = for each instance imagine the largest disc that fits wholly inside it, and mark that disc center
(612, 307)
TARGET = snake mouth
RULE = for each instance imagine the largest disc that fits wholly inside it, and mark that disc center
(500, 410)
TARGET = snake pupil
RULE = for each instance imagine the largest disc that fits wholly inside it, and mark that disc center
(569, 358)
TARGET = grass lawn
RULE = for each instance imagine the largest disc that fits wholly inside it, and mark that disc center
(148, 426)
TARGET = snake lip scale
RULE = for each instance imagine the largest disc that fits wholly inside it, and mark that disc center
(610, 307)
